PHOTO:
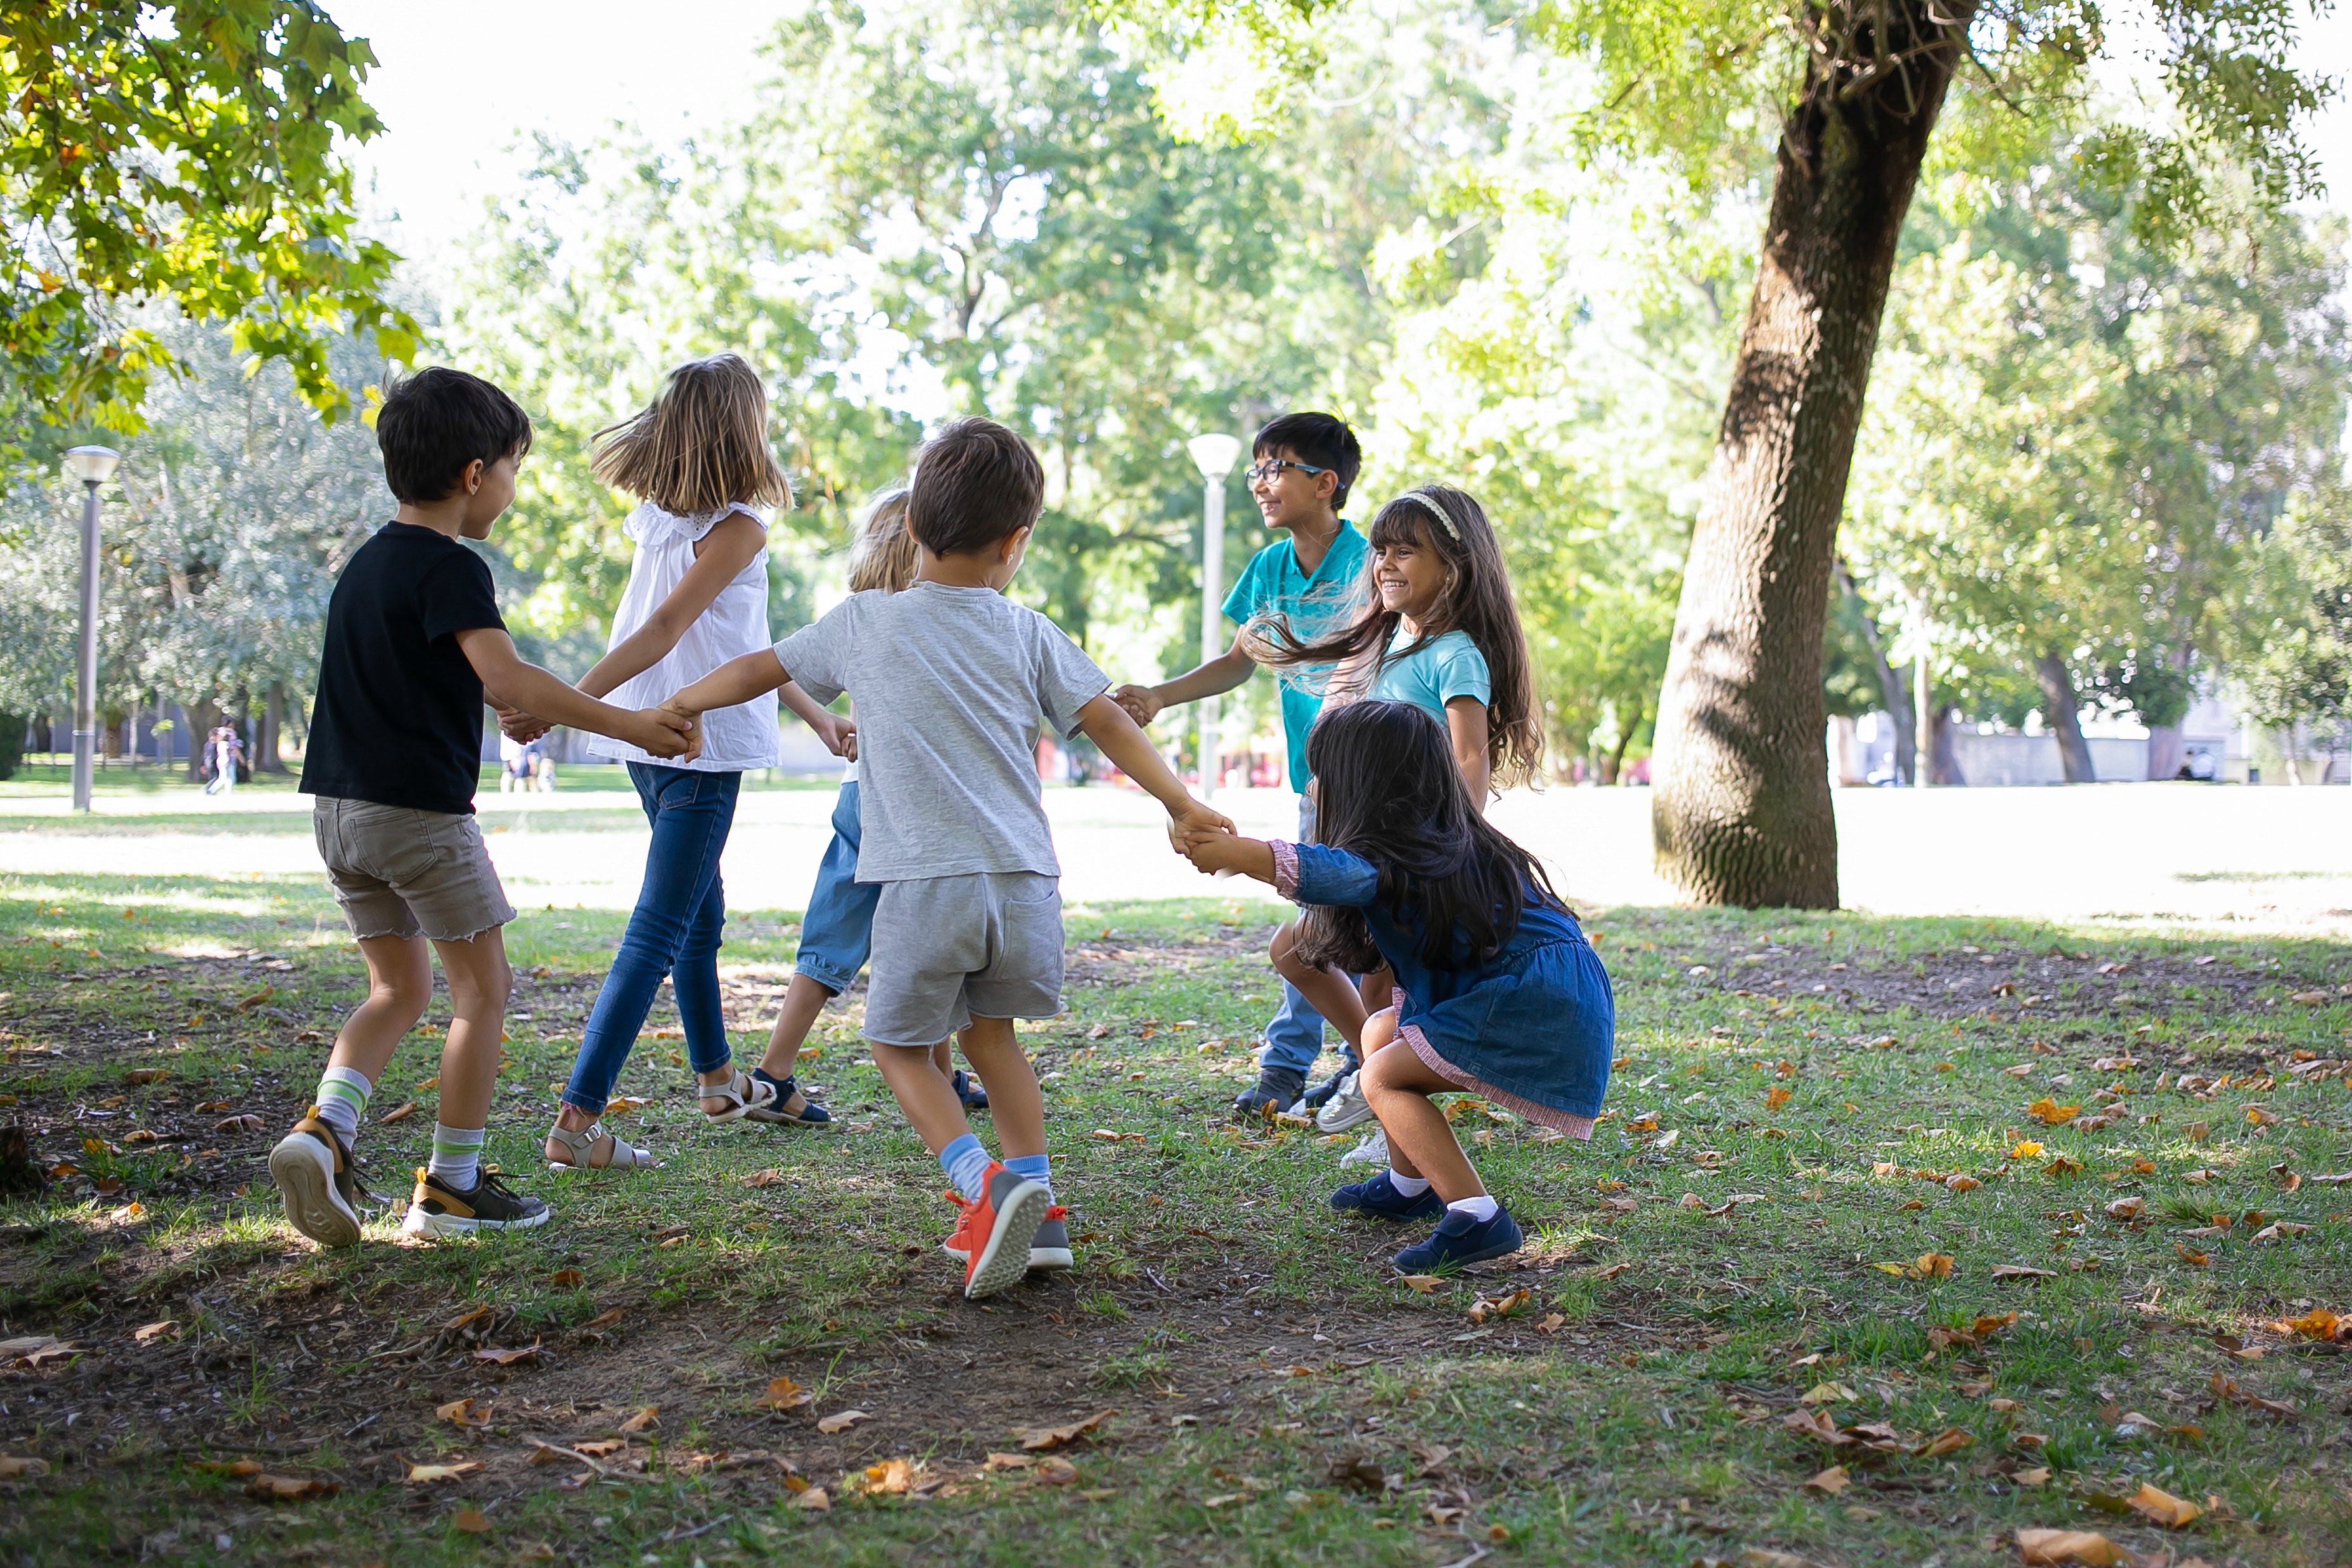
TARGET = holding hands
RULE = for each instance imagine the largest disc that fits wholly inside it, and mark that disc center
(1142, 704)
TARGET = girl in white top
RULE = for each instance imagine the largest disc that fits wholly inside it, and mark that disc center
(697, 596)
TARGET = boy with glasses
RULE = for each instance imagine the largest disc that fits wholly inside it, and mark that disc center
(1300, 471)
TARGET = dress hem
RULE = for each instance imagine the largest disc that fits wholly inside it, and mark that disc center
(1574, 1126)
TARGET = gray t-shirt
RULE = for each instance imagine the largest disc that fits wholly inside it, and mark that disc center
(950, 685)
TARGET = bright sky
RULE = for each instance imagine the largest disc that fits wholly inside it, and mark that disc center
(461, 81)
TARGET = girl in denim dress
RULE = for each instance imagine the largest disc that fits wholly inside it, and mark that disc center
(1498, 993)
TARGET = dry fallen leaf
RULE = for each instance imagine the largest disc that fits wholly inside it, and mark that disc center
(425, 1474)
(841, 1421)
(783, 1393)
(1951, 1440)
(1037, 1439)
(891, 1478)
(1011, 1461)
(2020, 1271)
(287, 1489)
(1424, 1283)
(2037, 1477)
(1830, 1482)
(2050, 1114)
(1056, 1472)
(2086, 1548)
(767, 1178)
(463, 1412)
(814, 1499)
(646, 1420)
(602, 1448)
(605, 1320)
(1552, 1323)
(564, 1279)
(1500, 1307)
(471, 1521)
(2320, 1324)
(1774, 1097)
(2126, 1208)
(15, 1466)
(2161, 1506)
(1826, 1394)
(247, 1122)
(149, 1334)
(1961, 1183)
(498, 1356)
(398, 1113)
(228, 1467)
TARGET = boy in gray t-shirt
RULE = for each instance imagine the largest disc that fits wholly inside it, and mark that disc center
(951, 680)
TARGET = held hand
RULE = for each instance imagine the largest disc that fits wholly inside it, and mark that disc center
(687, 720)
(1217, 851)
(1194, 817)
(1141, 704)
(665, 733)
(521, 727)
(840, 736)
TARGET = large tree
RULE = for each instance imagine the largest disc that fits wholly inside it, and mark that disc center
(1849, 93)
(183, 151)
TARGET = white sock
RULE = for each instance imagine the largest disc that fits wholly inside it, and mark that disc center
(457, 1159)
(1410, 1186)
(1481, 1208)
(342, 1099)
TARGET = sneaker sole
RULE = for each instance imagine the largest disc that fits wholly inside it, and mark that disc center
(305, 1173)
(1042, 1260)
(998, 1267)
(419, 1223)
(1465, 1261)
(1354, 1114)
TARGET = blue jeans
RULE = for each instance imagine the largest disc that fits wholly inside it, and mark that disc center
(837, 931)
(1295, 1036)
(674, 931)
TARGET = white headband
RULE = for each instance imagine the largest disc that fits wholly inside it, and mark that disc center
(1423, 499)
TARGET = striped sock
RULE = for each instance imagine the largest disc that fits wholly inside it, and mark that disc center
(342, 1099)
(966, 1163)
(457, 1156)
(1038, 1168)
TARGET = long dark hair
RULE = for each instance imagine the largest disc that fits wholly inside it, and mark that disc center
(1476, 601)
(1387, 788)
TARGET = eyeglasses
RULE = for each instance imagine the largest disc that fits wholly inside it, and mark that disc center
(1271, 470)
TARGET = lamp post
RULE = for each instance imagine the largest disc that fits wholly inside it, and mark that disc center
(1214, 455)
(94, 466)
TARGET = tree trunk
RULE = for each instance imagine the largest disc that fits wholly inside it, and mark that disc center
(2063, 709)
(1943, 751)
(273, 720)
(1890, 685)
(1741, 813)
(203, 717)
(1617, 757)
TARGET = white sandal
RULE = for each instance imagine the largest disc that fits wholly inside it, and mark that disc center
(621, 1156)
(743, 1093)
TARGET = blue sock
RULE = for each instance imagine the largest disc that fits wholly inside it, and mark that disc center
(966, 1163)
(1038, 1168)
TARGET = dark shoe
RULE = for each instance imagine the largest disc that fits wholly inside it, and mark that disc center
(1380, 1199)
(1049, 1249)
(811, 1114)
(313, 1169)
(1320, 1095)
(489, 1205)
(1459, 1240)
(970, 1091)
(1276, 1087)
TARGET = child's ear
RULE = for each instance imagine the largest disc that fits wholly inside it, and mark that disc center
(1014, 542)
(470, 479)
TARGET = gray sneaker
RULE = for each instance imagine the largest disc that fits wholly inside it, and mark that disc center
(1347, 1107)
(1049, 1249)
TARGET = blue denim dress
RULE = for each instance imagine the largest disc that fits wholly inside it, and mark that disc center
(1535, 1024)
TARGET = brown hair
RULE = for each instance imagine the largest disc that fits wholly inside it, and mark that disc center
(883, 555)
(1476, 601)
(976, 485)
(701, 446)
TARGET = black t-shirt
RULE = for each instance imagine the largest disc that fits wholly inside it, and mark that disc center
(399, 715)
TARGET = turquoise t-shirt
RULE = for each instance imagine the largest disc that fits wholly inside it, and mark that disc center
(1451, 665)
(1314, 605)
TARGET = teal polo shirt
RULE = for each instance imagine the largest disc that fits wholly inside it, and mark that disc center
(1313, 605)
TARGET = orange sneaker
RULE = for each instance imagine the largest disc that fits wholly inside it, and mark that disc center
(997, 1231)
(957, 1245)
(1049, 1249)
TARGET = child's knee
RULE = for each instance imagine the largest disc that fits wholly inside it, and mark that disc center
(1379, 1029)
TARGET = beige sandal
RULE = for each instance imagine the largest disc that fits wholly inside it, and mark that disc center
(618, 1155)
(744, 1095)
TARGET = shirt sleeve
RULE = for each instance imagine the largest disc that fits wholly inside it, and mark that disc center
(1248, 593)
(1317, 874)
(1066, 678)
(816, 657)
(458, 596)
(1463, 674)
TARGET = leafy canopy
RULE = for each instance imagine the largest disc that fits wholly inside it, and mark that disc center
(183, 152)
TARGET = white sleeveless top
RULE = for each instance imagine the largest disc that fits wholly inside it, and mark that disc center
(733, 739)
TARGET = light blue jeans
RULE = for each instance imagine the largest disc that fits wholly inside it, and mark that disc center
(1293, 1039)
(837, 931)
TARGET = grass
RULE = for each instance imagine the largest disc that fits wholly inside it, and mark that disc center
(1281, 1397)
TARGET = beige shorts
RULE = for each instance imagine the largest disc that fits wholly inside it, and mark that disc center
(398, 871)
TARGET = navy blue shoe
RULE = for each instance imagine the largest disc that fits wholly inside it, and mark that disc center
(1378, 1199)
(811, 1114)
(1460, 1240)
(974, 1097)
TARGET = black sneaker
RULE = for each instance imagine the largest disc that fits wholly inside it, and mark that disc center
(1320, 1095)
(317, 1182)
(1276, 1087)
(489, 1205)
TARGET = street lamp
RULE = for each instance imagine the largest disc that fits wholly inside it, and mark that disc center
(1214, 454)
(94, 466)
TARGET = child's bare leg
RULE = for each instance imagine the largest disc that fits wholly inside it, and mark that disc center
(1015, 1104)
(1327, 990)
(1420, 1142)
(943, 1058)
(1377, 989)
(923, 1093)
(400, 985)
(480, 984)
(803, 999)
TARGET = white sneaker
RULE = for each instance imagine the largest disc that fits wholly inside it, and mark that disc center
(1371, 1151)
(1346, 1109)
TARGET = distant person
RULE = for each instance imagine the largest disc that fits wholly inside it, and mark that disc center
(697, 460)
(951, 679)
(1498, 993)
(543, 768)
(227, 754)
(514, 765)
(414, 641)
(1302, 466)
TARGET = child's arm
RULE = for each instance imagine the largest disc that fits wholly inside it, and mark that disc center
(1225, 852)
(512, 683)
(839, 734)
(1217, 677)
(724, 551)
(1465, 721)
(1110, 725)
(736, 681)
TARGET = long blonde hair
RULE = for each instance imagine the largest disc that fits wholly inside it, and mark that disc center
(884, 555)
(701, 446)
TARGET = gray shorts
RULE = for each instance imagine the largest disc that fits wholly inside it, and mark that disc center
(948, 949)
(398, 871)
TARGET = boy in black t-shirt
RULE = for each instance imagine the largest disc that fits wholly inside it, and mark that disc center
(414, 641)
